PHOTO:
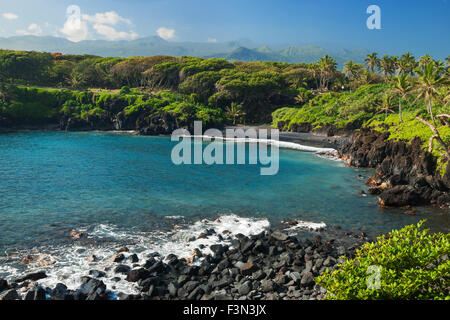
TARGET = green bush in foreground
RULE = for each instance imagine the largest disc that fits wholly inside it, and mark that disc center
(409, 263)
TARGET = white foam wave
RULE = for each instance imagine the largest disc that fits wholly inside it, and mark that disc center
(300, 224)
(280, 144)
(71, 261)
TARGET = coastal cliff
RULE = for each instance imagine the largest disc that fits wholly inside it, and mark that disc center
(406, 174)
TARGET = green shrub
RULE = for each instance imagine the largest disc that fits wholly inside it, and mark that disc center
(413, 264)
(125, 90)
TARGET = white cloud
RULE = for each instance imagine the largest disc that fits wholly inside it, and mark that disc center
(10, 16)
(33, 29)
(78, 29)
(212, 40)
(109, 17)
(166, 33)
(75, 29)
(112, 34)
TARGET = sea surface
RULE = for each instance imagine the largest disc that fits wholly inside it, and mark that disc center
(124, 189)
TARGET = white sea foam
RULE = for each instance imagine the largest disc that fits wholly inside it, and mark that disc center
(300, 224)
(280, 144)
(174, 217)
(122, 131)
(71, 261)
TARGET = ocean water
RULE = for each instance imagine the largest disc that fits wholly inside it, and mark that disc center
(124, 189)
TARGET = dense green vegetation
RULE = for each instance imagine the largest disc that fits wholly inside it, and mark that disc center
(399, 94)
(332, 108)
(34, 105)
(411, 101)
(258, 87)
(411, 264)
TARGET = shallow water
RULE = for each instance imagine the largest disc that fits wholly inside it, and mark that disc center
(52, 182)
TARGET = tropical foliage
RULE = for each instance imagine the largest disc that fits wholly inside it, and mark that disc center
(406, 264)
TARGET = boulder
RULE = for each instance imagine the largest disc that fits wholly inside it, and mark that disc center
(117, 257)
(92, 288)
(122, 268)
(97, 273)
(60, 292)
(133, 258)
(245, 288)
(267, 285)
(3, 284)
(217, 249)
(137, 274)
(248, 268)
(39, 293)
(10, 294)
(307, 279)
(277, 235)
(398, 196)
(32, 276)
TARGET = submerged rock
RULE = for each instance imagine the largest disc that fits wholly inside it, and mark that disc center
(117, 257)
(32, 276)
(76, 234)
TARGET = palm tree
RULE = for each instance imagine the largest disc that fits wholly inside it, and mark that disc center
(424, 60)
(385, 105)
(351, 69)
(438, 64)
(402, 88)
(406, 63)
(394, 64)
(327, 67)
(327, 63)
(235, 111)
(372, 61)
(429, 79)
(387, 65)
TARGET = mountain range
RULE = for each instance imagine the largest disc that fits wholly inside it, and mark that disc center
(244, 50)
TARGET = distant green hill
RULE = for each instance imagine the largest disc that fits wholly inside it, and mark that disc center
(244, 50)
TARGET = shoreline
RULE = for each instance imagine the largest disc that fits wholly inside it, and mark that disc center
(263, 266)
(307, 138)
(227, 277)
(303, 138)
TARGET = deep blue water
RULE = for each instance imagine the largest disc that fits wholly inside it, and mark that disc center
(53, 181)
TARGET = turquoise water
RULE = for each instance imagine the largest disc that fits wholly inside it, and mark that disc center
(51, 182)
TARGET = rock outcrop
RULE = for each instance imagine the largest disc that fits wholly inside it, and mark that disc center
(406, 174)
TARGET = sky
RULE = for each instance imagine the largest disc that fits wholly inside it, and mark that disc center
(418, 26)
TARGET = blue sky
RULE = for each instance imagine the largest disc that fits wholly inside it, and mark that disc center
(418, 26)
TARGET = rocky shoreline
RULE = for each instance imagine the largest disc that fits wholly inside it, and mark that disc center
(269, 266)
(406, 174)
